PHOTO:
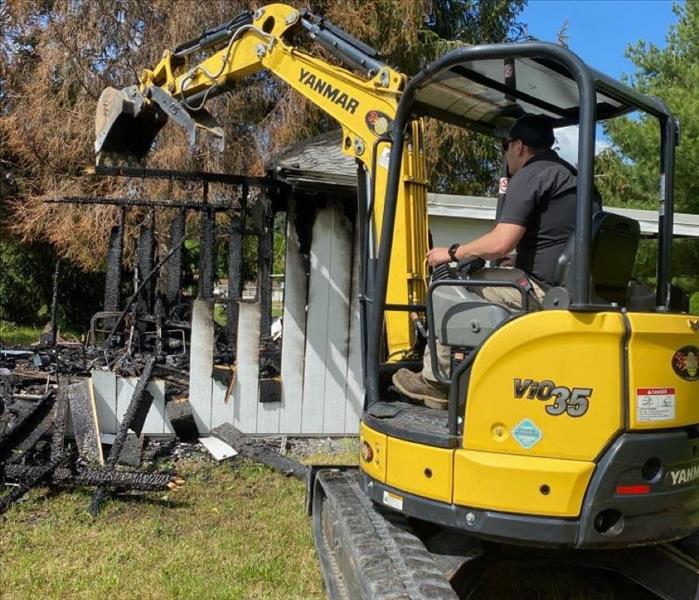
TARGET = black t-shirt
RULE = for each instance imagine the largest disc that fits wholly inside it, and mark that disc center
(541, 196)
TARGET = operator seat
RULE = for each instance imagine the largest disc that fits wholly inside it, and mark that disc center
(613, 246)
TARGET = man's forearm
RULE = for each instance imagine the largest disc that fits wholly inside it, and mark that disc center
(489, 246)
(495, 244)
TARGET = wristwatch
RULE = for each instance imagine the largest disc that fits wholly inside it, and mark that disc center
(452, 252)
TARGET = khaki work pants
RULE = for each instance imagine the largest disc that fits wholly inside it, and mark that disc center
(506, 296)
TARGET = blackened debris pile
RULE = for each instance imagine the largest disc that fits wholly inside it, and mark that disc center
(40, 392)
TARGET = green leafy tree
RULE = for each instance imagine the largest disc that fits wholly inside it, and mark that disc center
(672, 74)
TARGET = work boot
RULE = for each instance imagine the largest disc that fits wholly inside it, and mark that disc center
(416, 387)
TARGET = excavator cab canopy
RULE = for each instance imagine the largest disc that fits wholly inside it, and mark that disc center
(487, 95)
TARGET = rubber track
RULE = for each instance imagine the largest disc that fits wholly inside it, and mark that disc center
(391, 562)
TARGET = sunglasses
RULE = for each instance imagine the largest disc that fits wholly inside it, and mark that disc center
(506, 144)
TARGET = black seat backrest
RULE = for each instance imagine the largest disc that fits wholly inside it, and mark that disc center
(614, 243)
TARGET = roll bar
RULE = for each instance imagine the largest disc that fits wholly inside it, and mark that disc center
(588, 81)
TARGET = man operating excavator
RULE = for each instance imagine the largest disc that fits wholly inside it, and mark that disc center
(537, 219)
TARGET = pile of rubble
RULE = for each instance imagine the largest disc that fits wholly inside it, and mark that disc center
(49, 432)
(44, 396)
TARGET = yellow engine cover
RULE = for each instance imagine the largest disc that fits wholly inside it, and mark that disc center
(548, 384)
(663, 371)
(421, 470)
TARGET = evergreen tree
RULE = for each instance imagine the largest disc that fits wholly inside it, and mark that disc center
(628, 172)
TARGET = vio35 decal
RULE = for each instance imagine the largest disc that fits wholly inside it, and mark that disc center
(564, 400)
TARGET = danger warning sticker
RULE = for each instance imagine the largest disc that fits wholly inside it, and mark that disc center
(655, 404)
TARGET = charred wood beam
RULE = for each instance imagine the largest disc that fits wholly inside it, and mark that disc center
(65, 477)
(135, 415)
(24, 425)
(264, 270)
(28, 443)
(60, 421)
(39, 475)
(54, 304)
(224, 178)
(206, 251)
(160, 203)
(173, 289)
(145, 256)
(112, 283)
(258, 451)
(235, 275)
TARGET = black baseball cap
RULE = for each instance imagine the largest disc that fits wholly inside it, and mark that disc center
(534, 130)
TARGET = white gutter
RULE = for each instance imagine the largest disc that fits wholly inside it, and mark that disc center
(483, 209)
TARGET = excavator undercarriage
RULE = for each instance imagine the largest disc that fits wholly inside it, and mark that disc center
(370, 552)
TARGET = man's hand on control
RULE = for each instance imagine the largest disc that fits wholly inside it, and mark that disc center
(438, 256)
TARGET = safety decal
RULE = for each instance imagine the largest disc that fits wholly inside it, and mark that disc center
(392, 500)
(685, 362)
(527, 434)
(655, 404)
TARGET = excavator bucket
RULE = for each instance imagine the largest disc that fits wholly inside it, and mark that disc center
(126, 124)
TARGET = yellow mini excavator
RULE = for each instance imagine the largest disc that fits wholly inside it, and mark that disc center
(572, 431)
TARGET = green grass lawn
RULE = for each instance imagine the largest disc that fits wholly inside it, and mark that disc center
(235, 531)
(19, 335)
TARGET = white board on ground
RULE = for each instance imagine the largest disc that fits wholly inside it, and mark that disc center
(217, 448)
